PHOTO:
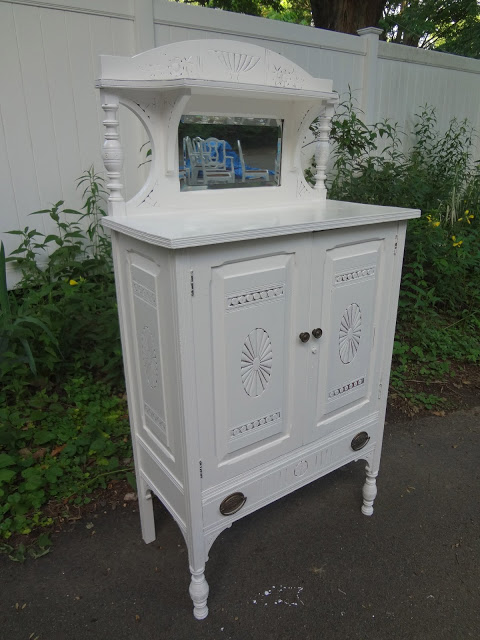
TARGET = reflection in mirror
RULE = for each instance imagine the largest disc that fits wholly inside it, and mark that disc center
(223, 152)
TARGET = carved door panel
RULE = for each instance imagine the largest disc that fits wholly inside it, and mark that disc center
(257, 301)
(350, 309)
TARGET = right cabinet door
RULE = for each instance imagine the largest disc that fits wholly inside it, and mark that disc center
(352, 280)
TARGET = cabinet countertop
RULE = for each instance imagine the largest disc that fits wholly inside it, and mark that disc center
(178, 229)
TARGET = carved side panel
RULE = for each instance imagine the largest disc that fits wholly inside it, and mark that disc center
(250, 318)
(144, 275)
(349, 306)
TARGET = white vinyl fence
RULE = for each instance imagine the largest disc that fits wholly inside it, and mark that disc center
(50, 116)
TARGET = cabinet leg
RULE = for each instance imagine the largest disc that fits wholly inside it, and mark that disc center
(369, 492)
(199, 594)
(145, 505)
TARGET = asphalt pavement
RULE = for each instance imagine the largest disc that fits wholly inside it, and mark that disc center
(309, 566)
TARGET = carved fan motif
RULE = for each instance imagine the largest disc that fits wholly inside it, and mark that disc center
(236, 63)
(149, 357)
(256, 363)
(349, 334)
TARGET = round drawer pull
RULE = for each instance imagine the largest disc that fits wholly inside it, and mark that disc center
(232, 503)
(360, 440)
(304, 336)
(317, 333)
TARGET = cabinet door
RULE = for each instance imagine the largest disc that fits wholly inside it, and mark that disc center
(251, 302)
(351, 289)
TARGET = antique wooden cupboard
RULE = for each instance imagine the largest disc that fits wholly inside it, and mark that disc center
(257, 323)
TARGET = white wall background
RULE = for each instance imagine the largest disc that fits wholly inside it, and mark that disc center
(50, 115)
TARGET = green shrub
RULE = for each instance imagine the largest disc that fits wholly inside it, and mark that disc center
(58, 446)
(63, 415)
(71, 298)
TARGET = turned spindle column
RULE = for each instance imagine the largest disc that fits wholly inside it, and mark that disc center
(113, 156)
(369, 492)
(199, 593)
(322, 150)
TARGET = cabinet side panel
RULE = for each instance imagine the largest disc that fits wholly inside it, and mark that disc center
(149, 348)
(144, 279)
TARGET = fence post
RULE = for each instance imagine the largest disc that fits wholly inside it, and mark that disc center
(144, 26)
(370, 35)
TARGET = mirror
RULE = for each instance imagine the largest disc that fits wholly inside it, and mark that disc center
(225, 152)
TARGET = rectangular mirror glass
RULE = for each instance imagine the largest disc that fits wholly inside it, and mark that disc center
(223, 152)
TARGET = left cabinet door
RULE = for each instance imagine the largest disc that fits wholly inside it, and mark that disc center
(251, 302)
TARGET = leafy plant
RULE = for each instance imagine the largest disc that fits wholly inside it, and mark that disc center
(59, 447)
(63, 418)
(17, 331)
(72, 294)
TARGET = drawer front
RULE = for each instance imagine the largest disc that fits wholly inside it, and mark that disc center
(265, 485)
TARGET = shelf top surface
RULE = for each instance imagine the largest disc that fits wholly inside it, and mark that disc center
(181, 229)
(213, 67)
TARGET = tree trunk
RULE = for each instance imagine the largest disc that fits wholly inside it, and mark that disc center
(346, 15)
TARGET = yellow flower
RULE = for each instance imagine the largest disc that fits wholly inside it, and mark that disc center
(471, 216)
(72, 283)
(455, 243)
(460, 219)
(436, 224)
(466, 212)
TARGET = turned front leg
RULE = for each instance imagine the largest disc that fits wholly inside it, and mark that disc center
(199, 593)
(369, 492)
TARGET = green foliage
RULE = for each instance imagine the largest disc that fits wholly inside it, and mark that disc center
(63, 418)
(452, 26)
(62, 319)
(17, 329)
(296, 11)
(439, 306)
(58, 447)
(250, 7)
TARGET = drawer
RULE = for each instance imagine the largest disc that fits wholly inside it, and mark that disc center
(265, 484)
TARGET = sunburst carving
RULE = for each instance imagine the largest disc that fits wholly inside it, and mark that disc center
(349, 334)
(235, 62)
(256, 364)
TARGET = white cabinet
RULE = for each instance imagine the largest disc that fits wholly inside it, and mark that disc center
(264, 393)
(228, 405)
(257, 324)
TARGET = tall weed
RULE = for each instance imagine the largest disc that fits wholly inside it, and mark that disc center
(72, 294)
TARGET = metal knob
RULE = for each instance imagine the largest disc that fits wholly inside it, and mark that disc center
(305, 336)
(317, 333)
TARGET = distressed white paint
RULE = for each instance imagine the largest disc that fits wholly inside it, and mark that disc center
(220, 288)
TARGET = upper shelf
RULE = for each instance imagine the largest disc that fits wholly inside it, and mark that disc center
(211, 66)
(213, 78)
